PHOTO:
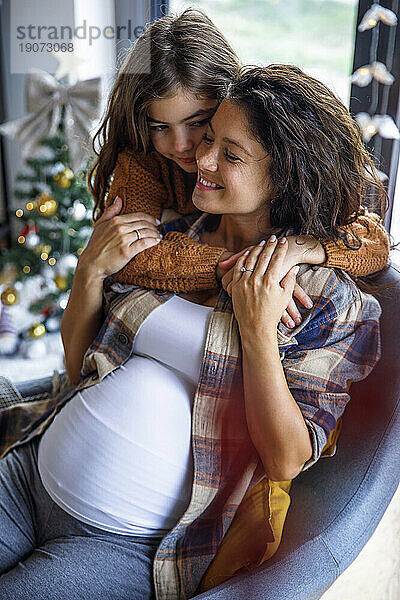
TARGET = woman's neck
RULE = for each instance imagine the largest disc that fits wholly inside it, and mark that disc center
(236, 232)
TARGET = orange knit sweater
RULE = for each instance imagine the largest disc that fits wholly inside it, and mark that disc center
(151, 183)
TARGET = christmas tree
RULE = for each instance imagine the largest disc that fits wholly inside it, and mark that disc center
(54, 218)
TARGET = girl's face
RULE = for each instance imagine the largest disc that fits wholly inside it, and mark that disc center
(176, 125)
(233, 168)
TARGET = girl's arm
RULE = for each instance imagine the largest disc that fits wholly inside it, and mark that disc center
(150, 183)
(112, 244)
(373, 253)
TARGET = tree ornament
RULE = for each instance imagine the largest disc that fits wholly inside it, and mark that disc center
(46, 205)
(77, 211)
(69, 63)
(32, 239)
(32, 349)
(66, 264)
(64, 178)
(53, 323)
(8, 333)
(57, 167)
(63, 301)
(9, 297)
(61, 282)
(36, 330)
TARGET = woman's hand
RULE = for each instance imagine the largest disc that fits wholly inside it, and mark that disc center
(114, 241)
(259, 298)
(300, 249)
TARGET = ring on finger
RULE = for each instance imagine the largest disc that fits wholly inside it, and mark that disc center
(254, 254)
(137, 233)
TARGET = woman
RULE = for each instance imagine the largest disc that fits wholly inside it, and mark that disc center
(258, 403)
(148, 139)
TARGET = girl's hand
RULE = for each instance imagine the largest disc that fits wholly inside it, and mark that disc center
(258, 298)
(295, 254)
(114, 241)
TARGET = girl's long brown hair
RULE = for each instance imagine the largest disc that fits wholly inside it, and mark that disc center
(185, 51)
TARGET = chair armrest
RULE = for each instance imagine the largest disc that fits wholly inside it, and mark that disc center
(35, 387)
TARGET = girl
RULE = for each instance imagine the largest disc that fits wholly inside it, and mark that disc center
(153, 126)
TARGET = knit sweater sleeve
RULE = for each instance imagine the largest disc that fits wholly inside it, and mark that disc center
(370, 257)
(150, 183)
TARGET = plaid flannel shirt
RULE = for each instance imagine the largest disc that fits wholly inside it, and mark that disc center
(337, 343)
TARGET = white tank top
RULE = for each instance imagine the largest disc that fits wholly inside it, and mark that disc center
(118, 455)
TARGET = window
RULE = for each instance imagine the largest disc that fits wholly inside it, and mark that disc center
(395, 221)
(316, 35)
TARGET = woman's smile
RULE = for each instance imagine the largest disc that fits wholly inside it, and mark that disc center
(203, 183)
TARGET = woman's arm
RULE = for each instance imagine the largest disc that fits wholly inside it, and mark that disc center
(314, 380)
(274, 420)
(81, 320)
(272, 414)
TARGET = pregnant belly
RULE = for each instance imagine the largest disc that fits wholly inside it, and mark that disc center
(123, 446)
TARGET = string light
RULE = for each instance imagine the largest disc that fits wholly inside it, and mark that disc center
(378, 73)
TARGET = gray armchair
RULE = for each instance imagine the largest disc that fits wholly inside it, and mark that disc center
(337, 504)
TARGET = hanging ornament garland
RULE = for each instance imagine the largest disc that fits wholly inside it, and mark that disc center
(376, 121)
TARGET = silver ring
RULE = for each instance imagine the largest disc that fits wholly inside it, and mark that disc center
(137, 233)
(243, 269)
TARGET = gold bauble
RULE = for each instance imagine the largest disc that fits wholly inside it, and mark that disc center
(36, 330)
(64, 178)
(46, 205)
(61, 282)
(9, 296)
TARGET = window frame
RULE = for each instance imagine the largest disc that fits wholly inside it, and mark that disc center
(385, 152)
(5, 233)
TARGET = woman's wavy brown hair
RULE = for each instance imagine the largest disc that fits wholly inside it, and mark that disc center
(185, 51)
(319, 166)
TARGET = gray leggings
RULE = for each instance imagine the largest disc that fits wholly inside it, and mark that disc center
(47, 554)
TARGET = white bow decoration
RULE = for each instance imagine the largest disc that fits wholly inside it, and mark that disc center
(377, 70)
(45, 96)
(375, 14)
(382, 124)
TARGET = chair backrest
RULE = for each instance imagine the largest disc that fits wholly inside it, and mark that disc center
(337, 503)
(344, 496)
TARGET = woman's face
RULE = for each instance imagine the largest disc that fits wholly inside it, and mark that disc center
(233, 168)
(176, 125)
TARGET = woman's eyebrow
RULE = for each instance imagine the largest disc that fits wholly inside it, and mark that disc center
(232, 142)
(199, 113)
